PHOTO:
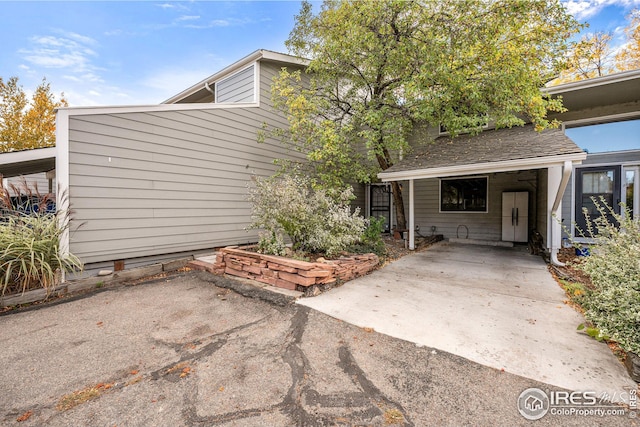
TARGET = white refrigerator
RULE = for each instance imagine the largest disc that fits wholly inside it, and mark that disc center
(515, 216)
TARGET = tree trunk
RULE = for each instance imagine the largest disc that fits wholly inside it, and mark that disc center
(384, 160)
(399, 204)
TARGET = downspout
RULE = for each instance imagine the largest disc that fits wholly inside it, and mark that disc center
(566, 174)
(208, 88)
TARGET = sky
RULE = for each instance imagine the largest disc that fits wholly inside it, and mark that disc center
(143, 52)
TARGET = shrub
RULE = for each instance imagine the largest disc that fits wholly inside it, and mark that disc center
(317, 220)
(613, 303)
(30, 245)
(371, 240)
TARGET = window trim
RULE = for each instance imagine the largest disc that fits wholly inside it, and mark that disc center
(486, 177)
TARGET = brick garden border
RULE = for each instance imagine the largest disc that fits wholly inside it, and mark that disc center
(292, 274)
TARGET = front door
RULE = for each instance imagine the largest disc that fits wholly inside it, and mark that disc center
(380, 203)
(596, 183)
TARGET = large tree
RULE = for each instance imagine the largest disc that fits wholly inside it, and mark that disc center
(629, 57)
(381, 70)
(591, 57)
(26, 124)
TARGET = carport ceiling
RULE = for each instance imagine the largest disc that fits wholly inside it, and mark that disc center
(26, 162)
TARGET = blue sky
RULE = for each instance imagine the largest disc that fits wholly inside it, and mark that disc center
(143, 52)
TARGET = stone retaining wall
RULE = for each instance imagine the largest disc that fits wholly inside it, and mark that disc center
(290, 273)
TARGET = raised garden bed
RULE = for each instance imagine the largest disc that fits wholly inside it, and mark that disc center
(287, 273)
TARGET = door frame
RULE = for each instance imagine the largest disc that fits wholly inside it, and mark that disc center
(368, 202)
(577, 187)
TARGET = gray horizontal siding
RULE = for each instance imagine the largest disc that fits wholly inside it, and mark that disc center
(239, 87)
(35, 182)
(144, 184)
(483, 226)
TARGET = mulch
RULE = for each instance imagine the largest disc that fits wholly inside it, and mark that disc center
(570, 272)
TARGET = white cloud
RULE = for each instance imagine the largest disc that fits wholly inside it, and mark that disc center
(584, 9)
(68, 50)
(188, 18)
(169, 6)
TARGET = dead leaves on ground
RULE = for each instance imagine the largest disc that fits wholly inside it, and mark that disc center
(76, 398)
(182, 367)
(24, 417)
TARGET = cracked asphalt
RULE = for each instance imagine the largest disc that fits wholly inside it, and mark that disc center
(187, 350)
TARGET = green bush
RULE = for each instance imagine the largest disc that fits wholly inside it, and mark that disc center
(316, 220)
(29, 247)
(612, 305)
(371, 240)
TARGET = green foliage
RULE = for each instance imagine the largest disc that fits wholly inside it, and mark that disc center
(613, 305)
(271, 243)
(30, 247)
(576, 291)
(379, 67)
(317, 220)
(371, 240)
(594, 333)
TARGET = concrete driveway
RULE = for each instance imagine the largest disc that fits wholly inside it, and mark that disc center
(499, 307)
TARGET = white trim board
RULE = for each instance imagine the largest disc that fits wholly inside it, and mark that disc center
(483, 168)
(86, 111)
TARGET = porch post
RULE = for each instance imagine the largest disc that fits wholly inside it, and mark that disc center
(62, 178)
(554, 207)
(412, 227)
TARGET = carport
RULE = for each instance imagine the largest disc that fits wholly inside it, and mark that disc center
(29, 162)
(496, 306)
(493, 156)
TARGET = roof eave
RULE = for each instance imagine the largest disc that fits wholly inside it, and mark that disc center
(236, 66)
(592, 82)
(480, 168)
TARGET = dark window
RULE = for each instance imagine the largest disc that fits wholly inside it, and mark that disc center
(599, 183)
(463, 195)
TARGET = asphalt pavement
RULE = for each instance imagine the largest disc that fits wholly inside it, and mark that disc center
(197, 350)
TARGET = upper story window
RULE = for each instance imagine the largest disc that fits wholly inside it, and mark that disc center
(239, 87)
(463, 194)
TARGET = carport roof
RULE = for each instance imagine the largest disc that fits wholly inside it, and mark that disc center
(16, 163)
(502, 150)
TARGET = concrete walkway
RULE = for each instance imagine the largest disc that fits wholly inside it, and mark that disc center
(496, 306)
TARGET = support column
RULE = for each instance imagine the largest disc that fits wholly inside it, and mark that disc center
(558, 178)
(412, 227)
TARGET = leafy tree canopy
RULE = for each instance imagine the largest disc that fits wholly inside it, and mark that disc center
(379, 68)
(629, 57)
(26, 124)
(594, 56)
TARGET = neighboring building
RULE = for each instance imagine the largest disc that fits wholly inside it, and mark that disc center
(595, 107)
(35, 167)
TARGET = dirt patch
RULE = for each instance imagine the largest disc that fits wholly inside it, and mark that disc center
(570, 272)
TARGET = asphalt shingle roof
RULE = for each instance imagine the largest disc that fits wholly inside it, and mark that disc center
(489, 146)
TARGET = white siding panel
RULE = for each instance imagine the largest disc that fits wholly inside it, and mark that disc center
(143, 184)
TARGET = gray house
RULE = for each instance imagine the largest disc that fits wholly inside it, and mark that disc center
(500, 186)
(148, 183)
